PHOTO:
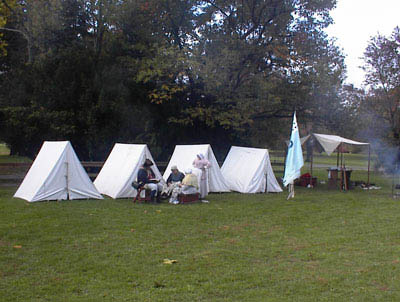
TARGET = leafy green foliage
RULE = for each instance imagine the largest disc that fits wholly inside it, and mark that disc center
(165, 72)
(382, 66)
(6, 7)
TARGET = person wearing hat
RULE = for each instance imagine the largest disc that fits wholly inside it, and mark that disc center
(189, 185)
(174, 179)
(201, 164)
(146, 179)
(175, 176)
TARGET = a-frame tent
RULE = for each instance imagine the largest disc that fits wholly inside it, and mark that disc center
(121, 169)
(56, 174)
(183, 158)
(249, 170)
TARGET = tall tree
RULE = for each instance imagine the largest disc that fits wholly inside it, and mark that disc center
(253, 61)
(165, 72)
(382, 67)
(6, 9)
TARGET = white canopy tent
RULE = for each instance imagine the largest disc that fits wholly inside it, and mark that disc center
(249, 170)
(56, 174)
(121, 169)
(183, 158)
(330, 143)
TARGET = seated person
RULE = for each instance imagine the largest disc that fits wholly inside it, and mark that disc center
(174, 179)
(175, 176)
(146, 179)
(189, 185)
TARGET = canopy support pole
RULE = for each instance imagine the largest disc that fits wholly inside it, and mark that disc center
(337, 152)
(369, 163)
(341, 157)
(393, 176)
(311, 160)
(342, 168)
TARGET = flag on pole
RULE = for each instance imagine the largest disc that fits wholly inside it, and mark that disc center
(294, 158)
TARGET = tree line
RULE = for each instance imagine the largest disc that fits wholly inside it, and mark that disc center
(167, 72)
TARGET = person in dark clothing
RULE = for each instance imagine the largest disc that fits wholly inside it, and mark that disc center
(146, 179)
(175, 176)
(174, 179)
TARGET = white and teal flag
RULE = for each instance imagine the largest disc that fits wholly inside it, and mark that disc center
(294, 158)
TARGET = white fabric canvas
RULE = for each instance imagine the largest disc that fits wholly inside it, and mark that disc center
(330, 142)
(56, 174)
(121, 169)
(249, 170)
(183, 158)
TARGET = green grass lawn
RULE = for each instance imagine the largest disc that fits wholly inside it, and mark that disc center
(4, 149)
(6, 158)
(14, 159)
(324, 245)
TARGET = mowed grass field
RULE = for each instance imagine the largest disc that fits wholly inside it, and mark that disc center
(4, 150)
(6, 158)
(324, 245)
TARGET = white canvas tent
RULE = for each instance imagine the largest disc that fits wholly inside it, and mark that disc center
(183, 158)
(121, 169)
(56, 174)
(249, 170)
